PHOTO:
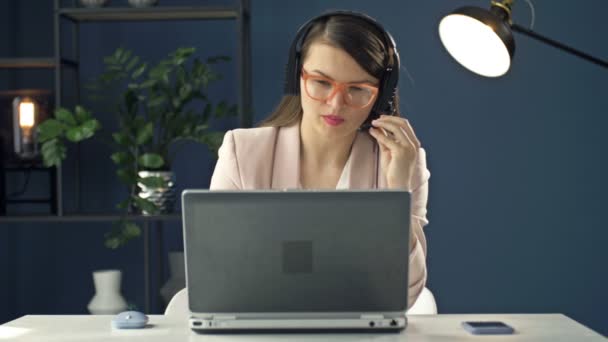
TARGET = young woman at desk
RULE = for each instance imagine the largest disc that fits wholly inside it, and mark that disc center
(341, 79)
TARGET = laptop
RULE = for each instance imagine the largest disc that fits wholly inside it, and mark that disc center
(296, 260)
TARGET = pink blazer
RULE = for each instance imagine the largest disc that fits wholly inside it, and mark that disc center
(269, 158)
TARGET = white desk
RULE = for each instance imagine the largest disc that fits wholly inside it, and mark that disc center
(529, 328)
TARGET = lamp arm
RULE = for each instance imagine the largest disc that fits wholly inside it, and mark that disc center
(559, 45)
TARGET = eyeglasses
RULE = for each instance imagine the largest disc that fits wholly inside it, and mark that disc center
(356, 95)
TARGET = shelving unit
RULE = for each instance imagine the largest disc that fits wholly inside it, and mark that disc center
(33, 63)
(87, 218)
(240, 13)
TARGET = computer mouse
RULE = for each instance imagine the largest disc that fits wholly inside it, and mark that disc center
(130, 320)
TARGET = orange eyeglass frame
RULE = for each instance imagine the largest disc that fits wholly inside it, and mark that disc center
(338, 86)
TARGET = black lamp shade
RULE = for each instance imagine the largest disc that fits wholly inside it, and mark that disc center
(480, 40)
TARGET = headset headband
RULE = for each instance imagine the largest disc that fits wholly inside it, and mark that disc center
(390, 77)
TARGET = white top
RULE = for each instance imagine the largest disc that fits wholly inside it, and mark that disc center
(529, 328)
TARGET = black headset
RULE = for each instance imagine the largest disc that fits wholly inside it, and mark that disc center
(385, 103)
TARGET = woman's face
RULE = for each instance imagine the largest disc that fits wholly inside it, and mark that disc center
(333, 118)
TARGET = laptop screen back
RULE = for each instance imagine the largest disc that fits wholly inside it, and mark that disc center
(296, 251)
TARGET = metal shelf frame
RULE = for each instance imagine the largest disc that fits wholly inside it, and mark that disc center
(34, 63)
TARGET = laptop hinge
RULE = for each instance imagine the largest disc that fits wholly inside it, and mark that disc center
(224, 318)
(372, 316)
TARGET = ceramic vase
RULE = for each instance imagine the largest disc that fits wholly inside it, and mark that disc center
(107, 299)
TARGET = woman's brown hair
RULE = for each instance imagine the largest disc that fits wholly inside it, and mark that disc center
(359, 38)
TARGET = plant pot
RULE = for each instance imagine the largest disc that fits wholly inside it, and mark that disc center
(107, 299)
(163, 198)
(177, 276)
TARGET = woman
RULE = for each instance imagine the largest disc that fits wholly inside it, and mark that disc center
(345, 69)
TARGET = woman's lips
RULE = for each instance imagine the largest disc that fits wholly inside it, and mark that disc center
(333, 120)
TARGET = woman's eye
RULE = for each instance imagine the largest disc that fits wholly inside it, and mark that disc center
(356, 89)
(323, 83)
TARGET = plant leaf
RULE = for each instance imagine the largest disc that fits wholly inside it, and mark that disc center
(145, 205)
(145, 134)
(81, 114)
(65, 116)
(156, 101)
(140, 70)
(131, 230)
(127, 175)
(89, 128)
(118, 54)
(121, 158)
(153, 182)
(53, 152)
(74, 134)
(112, 242)
(148, 84)
(151, 161)
(125, 56)
(123, 204)
(121, 139)
(50, 129)
(185, 91)
(132, 63)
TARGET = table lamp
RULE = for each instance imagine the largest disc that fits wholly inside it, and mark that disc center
(482, 40)
(25, 119)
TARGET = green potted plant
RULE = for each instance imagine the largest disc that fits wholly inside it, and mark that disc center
(155, 112)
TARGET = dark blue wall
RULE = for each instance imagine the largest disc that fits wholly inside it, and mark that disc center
(518, 163)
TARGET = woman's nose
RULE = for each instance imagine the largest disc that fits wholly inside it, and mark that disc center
(337, 101)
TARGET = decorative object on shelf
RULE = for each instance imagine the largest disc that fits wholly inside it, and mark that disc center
(94, 3)
(163, 196)
(24, 111)
(21, 112)
(25, 119)
(143, 3)
(177, 276)
(107, 299)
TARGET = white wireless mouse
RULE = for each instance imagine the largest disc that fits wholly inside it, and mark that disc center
(130, 320)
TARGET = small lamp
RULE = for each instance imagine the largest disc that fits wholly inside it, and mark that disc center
(25, 120)
(482, 40)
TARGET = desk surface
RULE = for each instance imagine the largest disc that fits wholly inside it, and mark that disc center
(529, 327)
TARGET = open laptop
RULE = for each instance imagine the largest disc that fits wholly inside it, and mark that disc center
(296, 260)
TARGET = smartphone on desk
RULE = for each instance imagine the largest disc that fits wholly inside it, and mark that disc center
(487, 328)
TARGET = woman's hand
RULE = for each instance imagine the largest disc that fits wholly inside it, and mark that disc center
(398, 150)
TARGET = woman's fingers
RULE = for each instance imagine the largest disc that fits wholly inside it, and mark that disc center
(397, 133)
(383, 139)
(404, 125)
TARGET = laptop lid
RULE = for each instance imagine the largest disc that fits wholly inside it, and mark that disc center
(297, 251)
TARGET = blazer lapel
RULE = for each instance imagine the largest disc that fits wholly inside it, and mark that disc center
(360, 169)
(286, 164)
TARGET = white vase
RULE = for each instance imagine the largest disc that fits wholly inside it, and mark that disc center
(107, 299)
(177, 276)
